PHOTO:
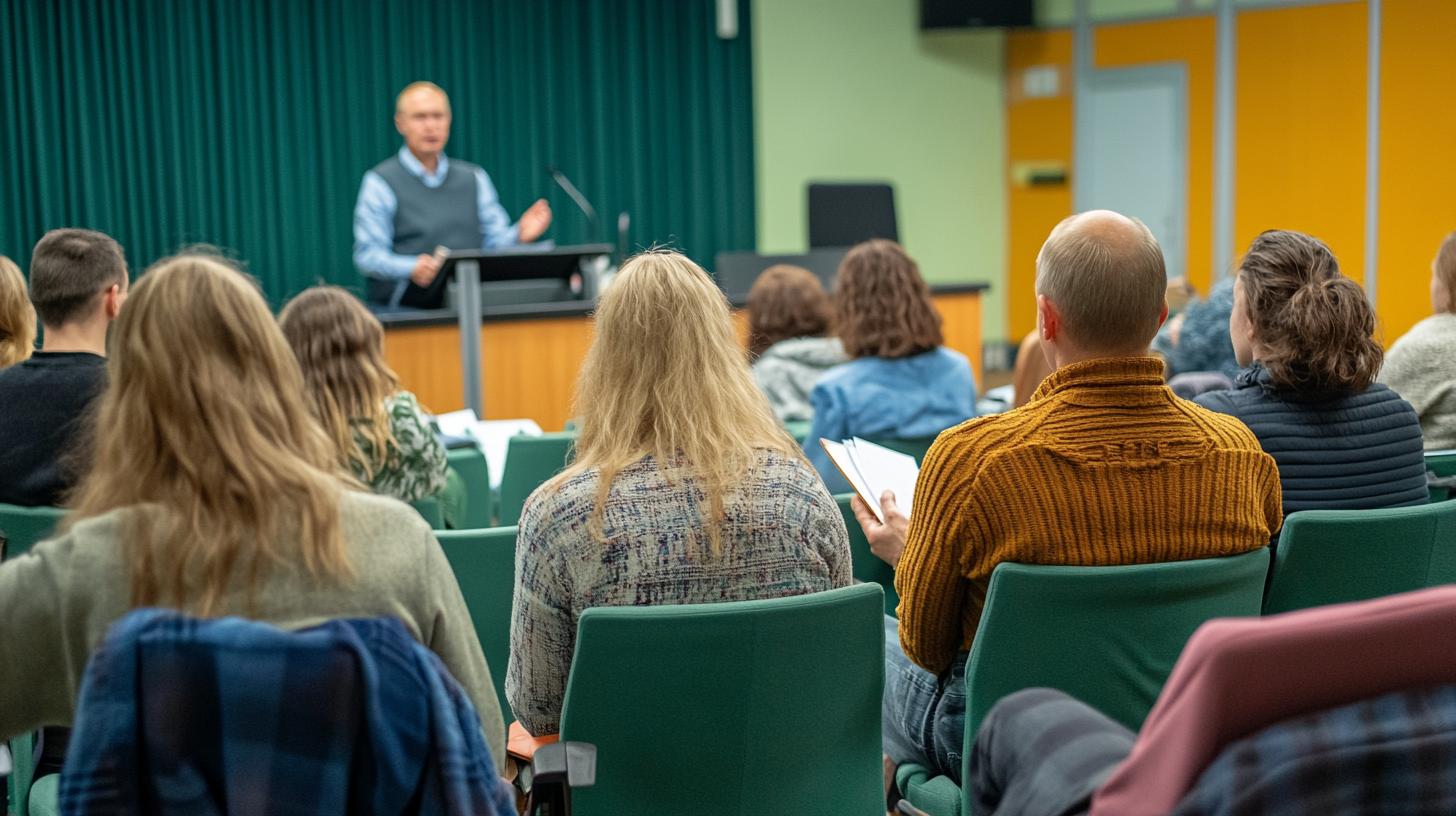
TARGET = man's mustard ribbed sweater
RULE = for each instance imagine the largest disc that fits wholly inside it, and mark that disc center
(1104, 466)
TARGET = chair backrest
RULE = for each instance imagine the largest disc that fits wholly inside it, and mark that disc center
(25, 526)
(474, 471)
(865, 565)
(530, 461)
(484, 562)
(909, 447)
(429, 509)
(1108, 636)
(1331, 556)
(1441, 464)
(740, 707)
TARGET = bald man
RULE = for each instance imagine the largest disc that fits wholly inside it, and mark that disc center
(1103, 466)
(418, 201)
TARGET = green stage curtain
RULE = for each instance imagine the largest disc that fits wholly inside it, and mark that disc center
(248, 124)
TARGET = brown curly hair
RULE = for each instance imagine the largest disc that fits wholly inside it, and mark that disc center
(1315, 325)
(882, 305)
(785, 302)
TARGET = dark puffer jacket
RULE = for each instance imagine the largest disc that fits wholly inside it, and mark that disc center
(1354, 452)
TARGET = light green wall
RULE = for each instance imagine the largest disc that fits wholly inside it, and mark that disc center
(850, 90)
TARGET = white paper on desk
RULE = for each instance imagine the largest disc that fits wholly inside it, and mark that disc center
(884, 469)
(457, 423)
(843, 458)
(494, 436)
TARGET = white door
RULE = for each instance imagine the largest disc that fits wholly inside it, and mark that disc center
(1132, 151)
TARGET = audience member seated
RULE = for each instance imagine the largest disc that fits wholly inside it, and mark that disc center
(901, 383)
(1031, 368)
(684, 488)
(788, 316)
(215, 492)
(378, 430)
(1104, 466)
(1041, 753)
(1197, 340)
(78, 281)
(1304, 331)
(1421, 366)
(17, 316)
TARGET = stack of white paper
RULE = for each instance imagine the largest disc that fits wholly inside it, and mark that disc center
(492, 435)
(872, 469)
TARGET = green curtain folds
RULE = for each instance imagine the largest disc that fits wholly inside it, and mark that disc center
(248, 123)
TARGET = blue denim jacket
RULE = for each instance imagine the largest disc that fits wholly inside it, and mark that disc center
(905, 398)
(182, 715)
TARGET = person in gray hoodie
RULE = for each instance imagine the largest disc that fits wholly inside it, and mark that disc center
(788, 318)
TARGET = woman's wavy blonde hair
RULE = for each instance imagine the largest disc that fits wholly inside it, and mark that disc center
(17, 316)
(666, 377)
(340, 347)
(204, 430)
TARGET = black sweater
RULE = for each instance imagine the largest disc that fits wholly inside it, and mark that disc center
(44, 403)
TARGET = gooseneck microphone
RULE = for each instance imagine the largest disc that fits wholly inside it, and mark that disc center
(580, 200)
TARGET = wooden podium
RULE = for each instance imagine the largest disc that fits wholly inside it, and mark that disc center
(470, 268)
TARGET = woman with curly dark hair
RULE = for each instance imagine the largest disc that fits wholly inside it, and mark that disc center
(900, 382)
(1305, 334)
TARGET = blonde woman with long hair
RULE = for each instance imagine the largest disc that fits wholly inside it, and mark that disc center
(684, 488)
(17, 316)
(215, 492)
(378, 430)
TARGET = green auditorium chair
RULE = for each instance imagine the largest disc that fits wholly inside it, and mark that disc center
(867, 567)
(768, 706)
(1108, 636)
(1441, 464)
(530, 461)
(798, 430)
(24, 526)
(429, 508)
(474, 472)
(1333, 556)
(484, 562)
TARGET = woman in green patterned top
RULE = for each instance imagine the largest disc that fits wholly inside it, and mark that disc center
(380, 431)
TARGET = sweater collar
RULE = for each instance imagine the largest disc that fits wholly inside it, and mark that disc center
(1107, 380)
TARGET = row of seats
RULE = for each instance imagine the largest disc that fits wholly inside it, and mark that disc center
(1107, 635)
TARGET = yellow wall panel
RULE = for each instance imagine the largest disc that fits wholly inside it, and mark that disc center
(1417, 155)
(1037, 130)
(1300, 126)
(1191, 41)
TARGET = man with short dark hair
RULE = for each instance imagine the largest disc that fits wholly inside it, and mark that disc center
(78, 281)
(1103, 466)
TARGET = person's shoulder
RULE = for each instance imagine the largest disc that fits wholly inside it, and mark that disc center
(369, 518)
(980, 435)
(1435, 334)
(1382, 395)
(1224, 427)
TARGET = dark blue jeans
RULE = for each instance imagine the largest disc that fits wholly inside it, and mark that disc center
(923, 716)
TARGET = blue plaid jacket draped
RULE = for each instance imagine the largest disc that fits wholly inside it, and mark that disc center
(230, 716)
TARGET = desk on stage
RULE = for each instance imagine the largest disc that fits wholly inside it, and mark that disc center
(530, 353)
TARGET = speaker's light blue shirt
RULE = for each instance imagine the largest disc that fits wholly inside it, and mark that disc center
(374, 253)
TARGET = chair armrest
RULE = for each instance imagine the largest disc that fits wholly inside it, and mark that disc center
(928, 792)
